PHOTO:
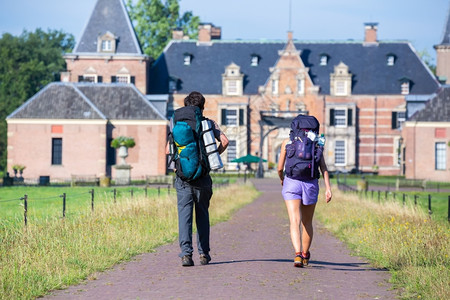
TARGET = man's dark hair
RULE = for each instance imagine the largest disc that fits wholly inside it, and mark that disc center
(195, 99)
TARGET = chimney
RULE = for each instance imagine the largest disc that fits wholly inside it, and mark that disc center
(177, 34)
(65, 77)
(208, 32)
(370, 32)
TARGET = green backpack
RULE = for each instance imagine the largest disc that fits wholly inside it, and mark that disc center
(186, 138)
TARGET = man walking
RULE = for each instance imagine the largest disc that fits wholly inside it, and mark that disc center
(196, 194)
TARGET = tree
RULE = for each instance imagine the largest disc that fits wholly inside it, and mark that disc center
(28, 63)
(428, 60)
(154, 22)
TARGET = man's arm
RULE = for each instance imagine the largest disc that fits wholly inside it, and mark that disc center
(223, 143)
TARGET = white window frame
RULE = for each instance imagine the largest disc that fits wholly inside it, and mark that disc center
(405, 88)
(255, 61)
(232, 118)
(275, 86)
(323, 60)
(123, 78)
(301, 86)
(94, 78)
(232, 87)
(231, 150)
(187, 59)
(340, 151)
(339, 119)
(390, 60)
(106, 45)
(340, 88)
(440, 156)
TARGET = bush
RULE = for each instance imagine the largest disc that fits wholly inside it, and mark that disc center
(123, 141)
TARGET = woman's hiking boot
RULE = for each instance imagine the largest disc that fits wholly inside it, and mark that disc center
(305, 258)
(186, 261)
(298, 261)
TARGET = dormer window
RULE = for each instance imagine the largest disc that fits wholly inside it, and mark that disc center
(255, 60)
(107, 43)
(301, 86)
(390, 59)
(405, 88)
(323, 59)
(232, 81)
(187, 59)
(341, 81)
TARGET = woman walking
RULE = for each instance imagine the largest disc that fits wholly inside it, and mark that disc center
(298, 169)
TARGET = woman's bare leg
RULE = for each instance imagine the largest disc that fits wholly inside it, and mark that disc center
(293, 208)
(307, 213)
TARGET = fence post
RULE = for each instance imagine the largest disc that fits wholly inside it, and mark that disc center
(429, 205)
(25, 208)
(379, 196)
(92, 199)
(385, 195)
(404, 196)
(394, 195)
(159, 191)
(146, 192)
(115, 194)
(168, 189)
(131, 193)
(64, 204)
(415, 200)
(448, 216)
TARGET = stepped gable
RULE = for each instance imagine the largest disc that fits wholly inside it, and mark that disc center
(437, 109)
(58, 101)
(109, 16)
(368, 64)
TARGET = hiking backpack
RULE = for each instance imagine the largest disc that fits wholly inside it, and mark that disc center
(186, 138)
(303, 154)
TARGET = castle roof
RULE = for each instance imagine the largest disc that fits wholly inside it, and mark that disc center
(367, 64)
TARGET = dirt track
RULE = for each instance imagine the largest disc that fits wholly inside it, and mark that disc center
(251, 259)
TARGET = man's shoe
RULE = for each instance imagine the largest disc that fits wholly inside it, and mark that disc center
(204, 259)
(186, 261)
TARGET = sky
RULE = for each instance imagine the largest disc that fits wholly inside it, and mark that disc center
(419, 21)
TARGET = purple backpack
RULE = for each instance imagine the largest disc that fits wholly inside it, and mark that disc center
(302, 154)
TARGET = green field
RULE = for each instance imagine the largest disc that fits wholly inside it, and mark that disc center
(47, 202)
(384, 190)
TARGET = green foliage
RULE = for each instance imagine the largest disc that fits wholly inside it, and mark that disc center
(123, 141)
(428, 60)
(154, 22)
(27, 63)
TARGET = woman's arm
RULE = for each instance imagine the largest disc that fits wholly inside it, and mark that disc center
(281, 161)
(326, 178)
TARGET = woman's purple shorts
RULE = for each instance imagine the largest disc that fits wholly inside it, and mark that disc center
(305, 190)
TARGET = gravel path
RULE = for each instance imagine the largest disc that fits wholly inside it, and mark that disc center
(252, 258)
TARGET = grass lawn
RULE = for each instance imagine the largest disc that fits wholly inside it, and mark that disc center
(53, 252)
